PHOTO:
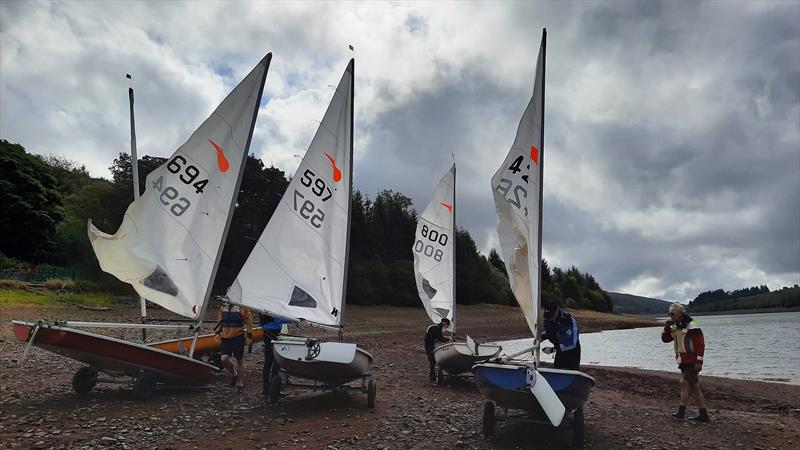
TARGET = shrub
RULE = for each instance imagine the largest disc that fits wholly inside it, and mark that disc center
(12, 284)
(60, 285)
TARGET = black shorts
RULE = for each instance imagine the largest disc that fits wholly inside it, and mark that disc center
(233, 347)
(689, 373)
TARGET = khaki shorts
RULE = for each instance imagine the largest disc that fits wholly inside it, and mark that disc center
(689, 373)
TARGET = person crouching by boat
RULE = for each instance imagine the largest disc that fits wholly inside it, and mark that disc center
(561, 329)
(231, 321)
(272, 330)
(689, 348)
(432, 336)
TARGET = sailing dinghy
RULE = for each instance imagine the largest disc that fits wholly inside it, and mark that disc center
(168, 248)
(298, 268)
(543, 393)
(434, 270)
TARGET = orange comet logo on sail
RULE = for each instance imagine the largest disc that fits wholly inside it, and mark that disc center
(448, 206)
(337, 173)
(222, 161)
(535, 154)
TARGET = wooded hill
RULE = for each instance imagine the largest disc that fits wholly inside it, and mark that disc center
(47, 201)
(634, 304)
(757, 297)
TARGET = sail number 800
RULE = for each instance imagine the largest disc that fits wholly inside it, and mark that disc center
(428, 249)
(433, 235)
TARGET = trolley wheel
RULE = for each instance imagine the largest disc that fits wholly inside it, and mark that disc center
(439, 376)
(372, 391)
(488, 419)
(84, 380)
(577, 429)
(145, 386)
(275, 388)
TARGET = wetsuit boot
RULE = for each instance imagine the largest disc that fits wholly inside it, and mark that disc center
(702, 417)
(680, 413)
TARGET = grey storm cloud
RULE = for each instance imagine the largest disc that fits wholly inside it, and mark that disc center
(672, 128)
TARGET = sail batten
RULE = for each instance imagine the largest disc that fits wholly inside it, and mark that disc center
(298, 268)
(434, 252)
(170, 241)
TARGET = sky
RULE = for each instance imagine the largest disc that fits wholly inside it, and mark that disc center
(672, 129)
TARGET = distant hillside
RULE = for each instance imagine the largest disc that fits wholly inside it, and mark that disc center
(633, 304)
(784, 298)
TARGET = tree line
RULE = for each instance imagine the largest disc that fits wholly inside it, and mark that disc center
(754, 297)
(47, 201)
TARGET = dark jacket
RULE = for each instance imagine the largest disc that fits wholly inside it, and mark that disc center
(562, 332)
(433, 335)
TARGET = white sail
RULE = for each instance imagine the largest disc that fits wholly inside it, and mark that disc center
(517, 187)
(434, 252)
(170, 240)
(298, 268)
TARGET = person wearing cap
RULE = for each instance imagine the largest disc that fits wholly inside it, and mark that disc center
(561, 329)
(690, 345)
(432, 336)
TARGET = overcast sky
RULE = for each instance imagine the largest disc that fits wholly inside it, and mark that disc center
(672, 129)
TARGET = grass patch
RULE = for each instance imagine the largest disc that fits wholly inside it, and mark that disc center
(9, 297)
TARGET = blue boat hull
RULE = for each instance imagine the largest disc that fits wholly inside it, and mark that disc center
(507, 385)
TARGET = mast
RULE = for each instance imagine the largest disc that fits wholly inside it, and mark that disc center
(231, 208)
(455, 211)
(352, 69)
(538, 304)
(135, 167)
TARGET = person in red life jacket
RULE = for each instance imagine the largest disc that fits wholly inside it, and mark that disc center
(690, 345)
(561, 329)
(432, 336)
(231, 321)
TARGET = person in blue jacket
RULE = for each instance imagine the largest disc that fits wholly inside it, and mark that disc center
(272, 330)
(561, 329)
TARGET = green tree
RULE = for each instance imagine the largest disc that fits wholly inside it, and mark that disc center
(31, 204)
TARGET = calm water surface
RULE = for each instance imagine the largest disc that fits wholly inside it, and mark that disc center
(762, 347)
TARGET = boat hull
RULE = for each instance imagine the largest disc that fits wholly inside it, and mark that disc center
(116, 356)
(456, 358)
(507, 386)
(337, 362)
(207, 344)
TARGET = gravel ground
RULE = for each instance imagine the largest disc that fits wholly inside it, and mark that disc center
(628, 408)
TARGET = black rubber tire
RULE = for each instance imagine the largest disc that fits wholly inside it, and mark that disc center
(578, 429)
(488, 419)
(84, 380)
(440, 376)
(145, 386)
(372, 391)
(275, 388)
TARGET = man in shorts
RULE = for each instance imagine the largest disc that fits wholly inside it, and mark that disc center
(689, 348)
(231, 321)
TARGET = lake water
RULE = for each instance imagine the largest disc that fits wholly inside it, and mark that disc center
(762, 347)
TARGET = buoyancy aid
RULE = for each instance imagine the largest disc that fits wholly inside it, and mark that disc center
(687, 338)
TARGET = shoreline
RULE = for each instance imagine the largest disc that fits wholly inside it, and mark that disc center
(628, 408)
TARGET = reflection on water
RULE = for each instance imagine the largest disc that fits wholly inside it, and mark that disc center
(750, 346)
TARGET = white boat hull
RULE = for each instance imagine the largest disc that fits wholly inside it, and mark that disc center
(334, 363)
(456, 357)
